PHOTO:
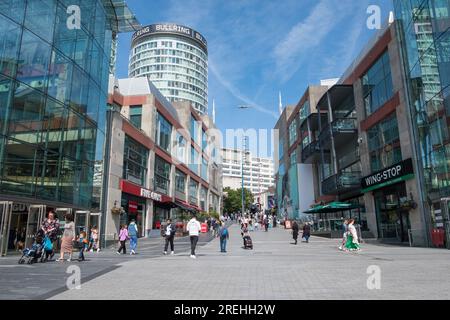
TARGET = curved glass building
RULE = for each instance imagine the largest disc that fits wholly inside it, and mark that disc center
(55, 61)
(175, 59)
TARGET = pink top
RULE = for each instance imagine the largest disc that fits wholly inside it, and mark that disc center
(123, 235)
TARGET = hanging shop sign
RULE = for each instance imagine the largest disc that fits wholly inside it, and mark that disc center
(132, 206)
(399, 172)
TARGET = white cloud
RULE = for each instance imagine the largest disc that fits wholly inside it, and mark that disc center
(307, 35)
(237, 94)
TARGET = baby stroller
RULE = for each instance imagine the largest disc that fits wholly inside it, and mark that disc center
(248, 244)
(39, 251)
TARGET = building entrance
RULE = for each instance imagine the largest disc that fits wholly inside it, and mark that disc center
(393, 219)
(5, 221)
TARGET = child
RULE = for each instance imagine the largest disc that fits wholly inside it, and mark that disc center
(94, 240)
(84, 244)
(123, 237)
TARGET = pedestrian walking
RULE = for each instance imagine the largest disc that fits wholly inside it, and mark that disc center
(193, 227)
(83, 244)
(224, 236)
(133, 235)
(169, 235)
(50, 226)
(295, 230)
(266, 223)
(352, 243)
(94, 245)
(274, 221)
(123, 237)
(68, 238)
(344, 234)
(306, 232)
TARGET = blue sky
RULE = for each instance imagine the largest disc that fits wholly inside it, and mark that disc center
(260, 47)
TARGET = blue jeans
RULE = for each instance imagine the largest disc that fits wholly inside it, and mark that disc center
(223, 244)
(133, 243)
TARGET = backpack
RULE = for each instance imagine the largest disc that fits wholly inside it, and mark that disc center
(224, 233)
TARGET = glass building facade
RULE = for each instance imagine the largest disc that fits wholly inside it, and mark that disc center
(424, 29)
(175, 62)
(53, 92)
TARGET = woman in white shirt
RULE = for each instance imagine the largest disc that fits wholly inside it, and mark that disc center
(352, 243)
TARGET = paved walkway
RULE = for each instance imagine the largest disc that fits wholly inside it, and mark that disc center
(44, 280)
(275, 269)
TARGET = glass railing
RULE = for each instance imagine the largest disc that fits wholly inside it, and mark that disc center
(349, 180)
(310, 150)
(341, 182)
(344, 125)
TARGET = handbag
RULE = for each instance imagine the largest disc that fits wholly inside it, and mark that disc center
(48, 245)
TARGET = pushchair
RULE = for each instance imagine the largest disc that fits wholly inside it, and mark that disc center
(40, 250)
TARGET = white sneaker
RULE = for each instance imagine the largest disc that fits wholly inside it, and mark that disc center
(92, 250)
(172, 253)
(165, 253)
(117, 252)
(193, 257)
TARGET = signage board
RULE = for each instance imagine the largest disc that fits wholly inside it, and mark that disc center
(171, 28)
(401, 171)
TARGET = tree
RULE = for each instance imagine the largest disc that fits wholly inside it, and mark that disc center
(233, 199)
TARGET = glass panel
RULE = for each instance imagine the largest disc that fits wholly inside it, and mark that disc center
(5, 100)
(40, 17)
(13, 9)
(34, 61)
(9, 45)
(60, 77)
(26, 114)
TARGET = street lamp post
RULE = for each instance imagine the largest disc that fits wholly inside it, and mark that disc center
(243, 159)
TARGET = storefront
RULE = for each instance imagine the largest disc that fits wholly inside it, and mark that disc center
(392, 201)
(19, 223)
(136, 202)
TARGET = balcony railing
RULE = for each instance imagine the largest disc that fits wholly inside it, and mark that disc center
(338, 126)
(341, 183)
(349, 159)
(309, 150)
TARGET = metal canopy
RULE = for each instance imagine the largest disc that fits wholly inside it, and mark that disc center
(338, 93)
(120, 16)
(333, 207)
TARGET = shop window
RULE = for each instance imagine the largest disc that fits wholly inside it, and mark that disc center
(377, 84)
(136, 116)
(180, 182)
(384, 144)
(163, 132)
(135, 162)
(162, 175)
(193, 188)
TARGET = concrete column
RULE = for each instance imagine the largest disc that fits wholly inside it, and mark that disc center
(148, 217)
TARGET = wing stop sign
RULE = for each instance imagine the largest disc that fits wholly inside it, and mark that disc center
(397, 173)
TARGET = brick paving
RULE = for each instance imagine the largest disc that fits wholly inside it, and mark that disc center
(275, 270)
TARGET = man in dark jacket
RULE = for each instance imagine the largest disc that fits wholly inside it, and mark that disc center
(306, 231)
(169, 234)
(295, 230)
